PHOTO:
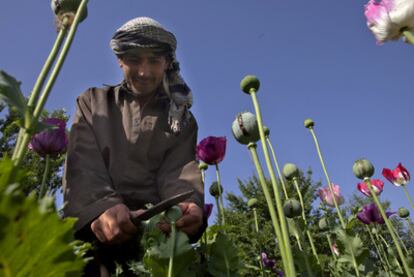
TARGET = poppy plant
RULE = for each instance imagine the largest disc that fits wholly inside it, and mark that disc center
(371, 214)
(377, 187)
(399, 176)
(390, 19)
(50, 142)
(326, 196)
(211, 150)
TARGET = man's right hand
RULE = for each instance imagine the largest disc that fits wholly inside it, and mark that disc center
(114, 225)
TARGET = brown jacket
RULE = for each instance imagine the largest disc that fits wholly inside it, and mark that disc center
(122, 152)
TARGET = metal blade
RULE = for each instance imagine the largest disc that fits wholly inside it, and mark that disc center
(160, 207)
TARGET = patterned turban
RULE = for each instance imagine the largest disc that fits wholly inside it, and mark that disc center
(145, 32)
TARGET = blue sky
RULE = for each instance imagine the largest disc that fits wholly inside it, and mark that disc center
(315, 59)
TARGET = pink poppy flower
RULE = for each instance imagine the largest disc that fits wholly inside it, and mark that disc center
(335, 249)
(377, 186)
(50, 142)
(211, 150)
(386, 18)
(399, 176)
(326, 196)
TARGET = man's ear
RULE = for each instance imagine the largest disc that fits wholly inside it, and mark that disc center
(120, 62)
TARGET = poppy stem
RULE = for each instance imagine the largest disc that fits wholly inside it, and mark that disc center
(408, 197)
(386, 267)
(390, 230)
(171, 260)
(43, 186)
(41, 79)
(277, 168)
(256, 228)
(296, 183)
(279, 207)
(338, 211)
(223, 220)
(276, 227)
(17, 159)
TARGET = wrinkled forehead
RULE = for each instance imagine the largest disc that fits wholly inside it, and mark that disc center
(139, 52)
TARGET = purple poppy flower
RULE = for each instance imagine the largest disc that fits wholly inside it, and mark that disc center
(208, 208)
(50, 142)
(211, 150)
(269, 263)
(371, 214)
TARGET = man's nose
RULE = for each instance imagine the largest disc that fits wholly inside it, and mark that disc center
(143, 70)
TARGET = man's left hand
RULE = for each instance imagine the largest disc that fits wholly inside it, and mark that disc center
(190, 222)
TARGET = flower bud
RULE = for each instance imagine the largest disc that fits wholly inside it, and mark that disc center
(290, 171)
(252, 203)
(249, 84)
(266, 131)
(202, 166)
(292, 208)
(403, 212)
(245, 128)
(214, 189)
(309, 123)
(67, 8)
(363, 169)
(174, 213)
(323, 224)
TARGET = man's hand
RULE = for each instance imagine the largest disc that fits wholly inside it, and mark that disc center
(114, 225)
(191, 220)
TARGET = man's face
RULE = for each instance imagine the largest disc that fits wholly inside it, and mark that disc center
(143, 70)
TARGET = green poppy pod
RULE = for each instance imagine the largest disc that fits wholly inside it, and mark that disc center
(363, 169)
(308, 123)
(61, 7)
(292, 208)
(290, 171)
(266, 131)
(252, 203)
(202, 166)
(214, 189)
(323, 224)
(249, 84)
(403, 212)
(173, 214)
(245, 128)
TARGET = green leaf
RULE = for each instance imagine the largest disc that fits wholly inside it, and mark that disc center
(35, 241)
(10, 92)
(223, 259)
(9, 174)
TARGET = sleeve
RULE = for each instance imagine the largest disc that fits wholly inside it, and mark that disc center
(87, 186)
(179, 171)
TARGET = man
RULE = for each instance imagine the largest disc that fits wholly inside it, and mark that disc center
(133, 144)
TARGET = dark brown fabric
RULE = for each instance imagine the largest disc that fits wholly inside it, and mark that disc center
(122, 152)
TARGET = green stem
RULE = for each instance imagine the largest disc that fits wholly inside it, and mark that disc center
(256, 227)
(171, 261)
(409, 36)
(223, 220)
(377, 248)
(408, 197)
(277, 168)
(327, 178)
(279, 206)
(392, 251)
(295, 182)
(49, 84)
(399, 239)
(330, 246)
(410, 227)
(270, 206)
(43, 186)
(41, 79)
(218, 209)
(388, 224)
